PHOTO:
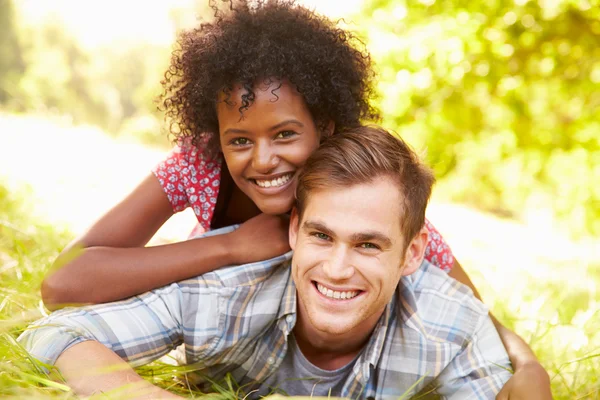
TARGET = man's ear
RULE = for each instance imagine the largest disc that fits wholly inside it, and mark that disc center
(294, 226)
(415, 252)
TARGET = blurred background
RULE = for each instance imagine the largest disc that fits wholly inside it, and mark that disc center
(501, 96)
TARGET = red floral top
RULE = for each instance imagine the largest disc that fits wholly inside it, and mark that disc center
(190, 180)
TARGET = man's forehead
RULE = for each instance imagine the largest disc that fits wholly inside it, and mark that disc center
(372, 207)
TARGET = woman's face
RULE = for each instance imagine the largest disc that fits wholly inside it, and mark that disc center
(265, 147)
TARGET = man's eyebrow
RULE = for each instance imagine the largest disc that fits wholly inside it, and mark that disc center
(233, 131)
(372, 236)
(368, 236)
(317, 226)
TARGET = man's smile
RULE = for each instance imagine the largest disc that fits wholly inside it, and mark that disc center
(338, 295)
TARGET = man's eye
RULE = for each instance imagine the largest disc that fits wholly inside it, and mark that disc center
(285, 134)
(240, 141)
(369, 246)
(321, 236)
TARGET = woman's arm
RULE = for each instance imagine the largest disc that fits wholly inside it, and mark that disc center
(530, 380)
(113, 263)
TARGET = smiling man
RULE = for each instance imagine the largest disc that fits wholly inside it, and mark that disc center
(359, 314)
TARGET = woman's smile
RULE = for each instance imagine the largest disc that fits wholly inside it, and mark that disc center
(273, 181)
(265, 149)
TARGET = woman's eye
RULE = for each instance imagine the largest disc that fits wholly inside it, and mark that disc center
(240, 141)
(285, 134)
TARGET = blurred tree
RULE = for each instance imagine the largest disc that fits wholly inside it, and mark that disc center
(58, 77)
(11, 64)
(502, 94)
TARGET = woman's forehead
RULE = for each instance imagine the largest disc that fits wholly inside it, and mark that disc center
(267, 99)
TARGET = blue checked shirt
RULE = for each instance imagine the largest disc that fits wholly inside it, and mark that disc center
(433, 337)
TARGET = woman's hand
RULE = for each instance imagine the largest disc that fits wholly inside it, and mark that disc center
(529, 382)
(260, 238)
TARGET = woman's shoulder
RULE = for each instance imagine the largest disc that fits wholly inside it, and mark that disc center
(187, 154)
(190, 177)
(438, 251)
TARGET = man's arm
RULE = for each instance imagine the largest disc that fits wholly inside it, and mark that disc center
(82, 341)
(91, 368)
(479, 370)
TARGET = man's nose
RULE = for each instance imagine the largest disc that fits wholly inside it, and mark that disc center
(338, 266)
(264, 158)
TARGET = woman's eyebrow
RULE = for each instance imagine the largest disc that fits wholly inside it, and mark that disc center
(286, 122)
(237, 131)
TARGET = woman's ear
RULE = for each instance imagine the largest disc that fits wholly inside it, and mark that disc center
(294, 226)
(328, 131)
(330, 128)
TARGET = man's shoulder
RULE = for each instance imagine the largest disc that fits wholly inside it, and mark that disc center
(442, 308)
(275, 271)
(245, 275)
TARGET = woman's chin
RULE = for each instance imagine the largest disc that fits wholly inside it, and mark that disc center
(275, 206)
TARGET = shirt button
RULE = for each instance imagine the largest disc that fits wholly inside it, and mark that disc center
(289, 319)
(270, 360)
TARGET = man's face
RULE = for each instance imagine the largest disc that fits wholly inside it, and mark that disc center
(348, 256)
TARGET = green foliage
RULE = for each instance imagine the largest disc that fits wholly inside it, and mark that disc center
(26, 249)
(503, 95)
(11, 63)
(43, 68)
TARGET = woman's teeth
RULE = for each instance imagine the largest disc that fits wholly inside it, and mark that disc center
(336, 295)
(274, 182)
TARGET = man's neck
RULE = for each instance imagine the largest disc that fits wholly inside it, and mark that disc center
(327, 351)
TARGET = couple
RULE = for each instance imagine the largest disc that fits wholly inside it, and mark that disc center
(354, 312)
(250, 97)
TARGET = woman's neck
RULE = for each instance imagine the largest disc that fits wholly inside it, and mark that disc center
(233, 206)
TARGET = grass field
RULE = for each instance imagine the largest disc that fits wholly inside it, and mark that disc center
(558, 313)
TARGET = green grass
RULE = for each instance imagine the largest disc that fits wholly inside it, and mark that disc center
(559, 314)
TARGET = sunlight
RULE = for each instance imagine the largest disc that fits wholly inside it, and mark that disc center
(101, 23)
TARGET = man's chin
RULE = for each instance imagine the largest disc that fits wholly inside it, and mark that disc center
(332, 327)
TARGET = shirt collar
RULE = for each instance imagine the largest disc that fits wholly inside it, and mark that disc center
(287, 306)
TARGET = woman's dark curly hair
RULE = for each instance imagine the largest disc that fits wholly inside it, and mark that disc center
(254, 40)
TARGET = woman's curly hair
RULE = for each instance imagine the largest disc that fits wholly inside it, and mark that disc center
(254, 40)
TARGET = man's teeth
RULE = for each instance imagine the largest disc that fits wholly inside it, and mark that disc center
(336, 295)
(274, 182)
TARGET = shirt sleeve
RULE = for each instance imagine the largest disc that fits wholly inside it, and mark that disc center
(190, 179)
(437, 251)
(479, 370)
(172, 174)
(140, 329)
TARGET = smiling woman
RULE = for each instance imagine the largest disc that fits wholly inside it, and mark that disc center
(265, 149)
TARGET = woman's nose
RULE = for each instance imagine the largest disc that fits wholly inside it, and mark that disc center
(264, 159)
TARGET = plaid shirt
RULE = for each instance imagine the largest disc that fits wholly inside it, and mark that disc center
(433, 334)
